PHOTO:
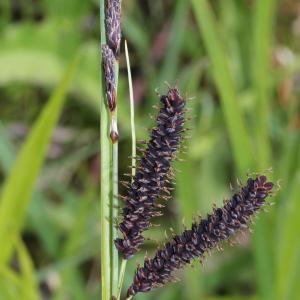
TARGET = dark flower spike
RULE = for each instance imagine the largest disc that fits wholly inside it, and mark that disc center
(109, 76)
(113, 25)
(203, 236)
(152, 173)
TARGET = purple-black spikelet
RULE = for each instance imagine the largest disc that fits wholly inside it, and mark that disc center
(205, 235)
(109, 76)
(113, 25)
(151, 174)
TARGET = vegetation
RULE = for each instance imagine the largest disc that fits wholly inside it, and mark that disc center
(238, 61)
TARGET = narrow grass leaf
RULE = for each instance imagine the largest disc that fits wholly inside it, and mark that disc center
(133, 155)
(10, 284)
(178, 30)
(233, 115)
(28, 279)
(263, 22)
(37, 211)
(289, 244)
(20, 183)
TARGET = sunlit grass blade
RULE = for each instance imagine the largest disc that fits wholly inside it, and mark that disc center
(20, 183)
(239, 137)
(263, 22)
(29, 282)
(10, 284)
(288, 242)
(37, 209)
(22, 285)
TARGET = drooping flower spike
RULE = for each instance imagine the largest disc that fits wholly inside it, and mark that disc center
(152, 173)
(205, 235)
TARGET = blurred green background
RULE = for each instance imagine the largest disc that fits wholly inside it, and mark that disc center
(240, 62)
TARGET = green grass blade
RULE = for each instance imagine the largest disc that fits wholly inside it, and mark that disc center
(288, 243)
(239, 138)
(20, 183)
(22, 285)
(29, 282)
(263, 22)
(10, 284)
(37, 211)
(170, 65)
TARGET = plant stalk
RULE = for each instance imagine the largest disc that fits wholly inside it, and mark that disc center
(115, 204)
(105, 180)
(133, 155)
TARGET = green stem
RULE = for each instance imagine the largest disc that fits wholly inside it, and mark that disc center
(133, 155)
(105, 184)
(115, 210)
(105, 216)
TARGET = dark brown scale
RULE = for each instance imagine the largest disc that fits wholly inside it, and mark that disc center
(113, 25)
(202, 236)
(109, 76)
(152, 173)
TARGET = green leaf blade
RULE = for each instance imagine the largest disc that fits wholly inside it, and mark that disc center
(238, 134)
(20, 183)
